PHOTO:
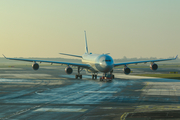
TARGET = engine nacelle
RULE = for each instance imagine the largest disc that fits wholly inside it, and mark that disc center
(153, 66)
(68, 70)
(127, 70)
(35, 66)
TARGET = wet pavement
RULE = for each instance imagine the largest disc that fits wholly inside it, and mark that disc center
(51, 94)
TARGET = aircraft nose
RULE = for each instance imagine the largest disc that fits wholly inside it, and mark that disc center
(107, 63)
(108, 66)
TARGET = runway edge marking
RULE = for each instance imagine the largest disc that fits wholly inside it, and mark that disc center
(123, 117)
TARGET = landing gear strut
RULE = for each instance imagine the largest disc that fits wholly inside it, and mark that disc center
(94, 77)
(79, 75)
(112, 74)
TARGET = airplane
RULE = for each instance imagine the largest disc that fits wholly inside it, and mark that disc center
(93, 63)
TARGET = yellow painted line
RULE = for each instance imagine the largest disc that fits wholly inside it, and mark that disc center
(155, 108)
(106, 107)
(162, 90)
(100, 91)
(173, 72)
(60, 110)
(143, 89)
(115, 108)
(123, 117)
(150, 108)
(158, 90)
(145, 86)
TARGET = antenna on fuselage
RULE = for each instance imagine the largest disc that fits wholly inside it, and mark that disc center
(86, 47)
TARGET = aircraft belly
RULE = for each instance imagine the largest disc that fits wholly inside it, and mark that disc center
(104, 69)
(100, 68)
(93, 68)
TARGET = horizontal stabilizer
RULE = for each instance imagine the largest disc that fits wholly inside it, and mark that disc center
(71, 55)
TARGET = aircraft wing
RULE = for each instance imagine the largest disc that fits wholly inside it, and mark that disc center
(136, 62)
(55, 62)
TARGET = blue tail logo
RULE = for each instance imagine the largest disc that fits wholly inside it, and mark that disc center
(86, 47)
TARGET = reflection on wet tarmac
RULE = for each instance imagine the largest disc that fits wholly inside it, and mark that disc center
(63, 97)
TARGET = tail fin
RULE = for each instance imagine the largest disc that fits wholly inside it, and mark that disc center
(86, 47)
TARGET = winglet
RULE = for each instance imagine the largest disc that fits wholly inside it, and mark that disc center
(86, 47)
(4, 55)
(176, 56)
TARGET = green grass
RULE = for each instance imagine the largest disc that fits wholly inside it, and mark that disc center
(169, 76)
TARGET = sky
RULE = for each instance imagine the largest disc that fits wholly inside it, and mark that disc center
(131, 28)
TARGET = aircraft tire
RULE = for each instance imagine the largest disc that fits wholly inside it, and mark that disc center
(80, 76)
(76, 76)
(112, 76)
(92, 77)
(95, 76)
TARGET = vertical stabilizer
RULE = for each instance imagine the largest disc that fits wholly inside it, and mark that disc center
(86, 47)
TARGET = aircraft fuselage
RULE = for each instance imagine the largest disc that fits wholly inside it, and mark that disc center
(99, 62)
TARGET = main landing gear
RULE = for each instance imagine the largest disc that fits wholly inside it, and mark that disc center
(94, 77)
(79, 75)
(111, 73)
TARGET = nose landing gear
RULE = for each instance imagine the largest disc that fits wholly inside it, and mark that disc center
(107, 77)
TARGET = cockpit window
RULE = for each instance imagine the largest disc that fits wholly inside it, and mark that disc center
(108, 60)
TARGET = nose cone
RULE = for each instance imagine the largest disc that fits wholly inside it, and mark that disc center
(105, 63)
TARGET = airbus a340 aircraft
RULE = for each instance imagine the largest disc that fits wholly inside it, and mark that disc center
(93, 63)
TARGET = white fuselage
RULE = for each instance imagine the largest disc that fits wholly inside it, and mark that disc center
(99, 63)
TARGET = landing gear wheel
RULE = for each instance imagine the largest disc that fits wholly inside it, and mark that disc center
(78, 76)
(93, 77)
(112, 76)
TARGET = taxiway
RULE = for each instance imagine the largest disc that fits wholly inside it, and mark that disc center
(51, 94)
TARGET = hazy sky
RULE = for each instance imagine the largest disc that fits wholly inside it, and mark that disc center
(131, 28)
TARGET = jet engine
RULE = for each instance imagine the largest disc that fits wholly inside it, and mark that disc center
(153, 66)
(68, 70)
(127, 70)
(35, 66)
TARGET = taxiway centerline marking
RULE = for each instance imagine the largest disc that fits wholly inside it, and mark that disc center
(100, 91)
(60, 110)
